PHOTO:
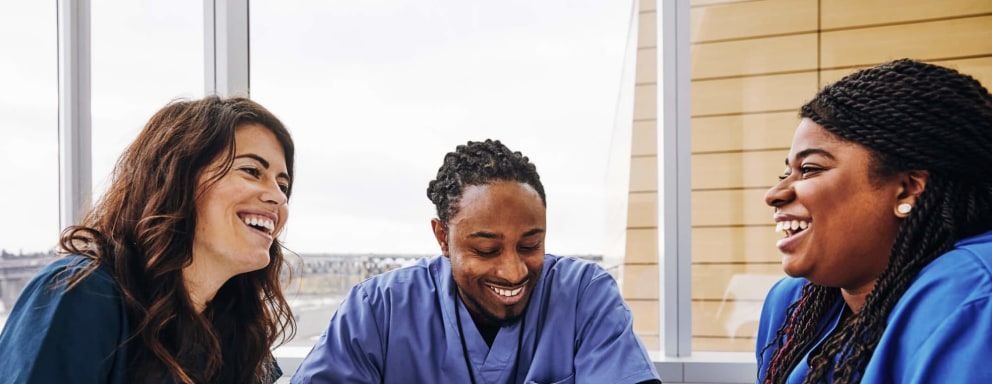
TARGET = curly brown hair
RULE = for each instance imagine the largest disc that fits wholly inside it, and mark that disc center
(141, 231)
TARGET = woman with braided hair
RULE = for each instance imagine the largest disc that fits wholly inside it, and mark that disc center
(886, 211)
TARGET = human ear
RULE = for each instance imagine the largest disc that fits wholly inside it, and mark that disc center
(440, 235)
(912, 184)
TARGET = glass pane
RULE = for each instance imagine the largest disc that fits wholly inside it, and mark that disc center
(375, 93)
(28, 143)
(748, 79)
(145, 54)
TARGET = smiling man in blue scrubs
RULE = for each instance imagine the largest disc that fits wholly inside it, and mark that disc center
(493, 308)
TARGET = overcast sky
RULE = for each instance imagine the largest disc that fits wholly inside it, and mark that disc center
(374, 93)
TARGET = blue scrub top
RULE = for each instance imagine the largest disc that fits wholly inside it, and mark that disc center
(59, 336)
(940, 331)
(401, 327)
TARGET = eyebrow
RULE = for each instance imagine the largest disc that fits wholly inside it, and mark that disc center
(809, 152)
(490, 235)
(265, 163)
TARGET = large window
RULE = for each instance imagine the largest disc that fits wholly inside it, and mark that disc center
(375, 93)
(29, 145)
(144, 54)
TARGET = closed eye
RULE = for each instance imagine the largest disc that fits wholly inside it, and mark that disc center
(482, 253)
(530, 248)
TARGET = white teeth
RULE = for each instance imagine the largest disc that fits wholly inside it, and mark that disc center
(506, 292)
(789, 226)
(255, 221)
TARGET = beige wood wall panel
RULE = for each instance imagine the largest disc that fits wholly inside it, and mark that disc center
(644, 140)
(752, 94)
(980, 68)
(640, 282)
(744, 132)
(856, 13)
(723, 345)
(737, 320)
(738, 169)
(734, 282)
(644, 174)
(642, 210)
(651, 341)
(750, 19)
(733, 207)
(647, 66)
(645, 102)
(754, 56)
(645, 315)
(642, 246)
(647, 5)
(829, 76)
(755, 244)
(647, 30)
(923, 41)
(703, 3)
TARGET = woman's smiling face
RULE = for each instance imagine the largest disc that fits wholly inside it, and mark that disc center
(240, 214)
(835, 213)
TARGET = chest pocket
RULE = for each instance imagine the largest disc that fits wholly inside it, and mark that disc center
(568, 380)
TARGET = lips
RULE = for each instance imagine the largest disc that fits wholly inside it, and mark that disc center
(793, 230)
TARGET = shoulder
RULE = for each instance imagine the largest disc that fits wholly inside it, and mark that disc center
(572, 271)
(570, 280)
(57, 275)
(782, 294)
(787, 290)
(961, 276)
(417, 279)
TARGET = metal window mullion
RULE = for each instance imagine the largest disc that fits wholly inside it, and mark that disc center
(674, 170)
(226, 66)
(75, 148)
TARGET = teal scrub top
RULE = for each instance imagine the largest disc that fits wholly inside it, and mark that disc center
(54, 335)
(401, 327)
(57, 336)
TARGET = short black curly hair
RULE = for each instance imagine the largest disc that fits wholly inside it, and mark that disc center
(478, 163)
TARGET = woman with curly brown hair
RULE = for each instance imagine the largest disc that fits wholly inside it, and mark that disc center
(886, 211)
(173, 276)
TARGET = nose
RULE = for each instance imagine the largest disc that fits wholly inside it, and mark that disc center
(780, 194)
(273, 194)
(511, 268)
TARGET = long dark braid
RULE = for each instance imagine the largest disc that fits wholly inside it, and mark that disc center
(478, 163)
(911, 116)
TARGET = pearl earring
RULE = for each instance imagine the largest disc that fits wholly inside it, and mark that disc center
(904, 208)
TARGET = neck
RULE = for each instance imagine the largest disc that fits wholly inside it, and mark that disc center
(855, 298)
(201, 286)
(487, 329)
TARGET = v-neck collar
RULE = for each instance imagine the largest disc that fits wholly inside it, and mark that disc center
(491, 364)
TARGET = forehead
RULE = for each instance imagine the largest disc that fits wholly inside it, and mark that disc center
(500, 201)
(810, 135)
(257, 139)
